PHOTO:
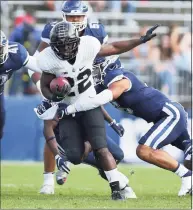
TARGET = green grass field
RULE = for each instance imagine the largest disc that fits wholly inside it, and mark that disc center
(84, 188)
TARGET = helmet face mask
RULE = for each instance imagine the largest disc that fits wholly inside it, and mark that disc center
(64, 41)
(75, 8)
(3, 48)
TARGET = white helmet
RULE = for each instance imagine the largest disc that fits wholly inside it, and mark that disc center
(3, 48)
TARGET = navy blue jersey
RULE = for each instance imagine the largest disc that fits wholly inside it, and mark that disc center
(18, 57)
(142, 101)
(96, 30)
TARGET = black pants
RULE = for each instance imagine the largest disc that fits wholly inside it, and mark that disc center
(85, 126)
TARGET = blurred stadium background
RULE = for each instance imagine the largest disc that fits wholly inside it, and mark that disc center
(164, 63)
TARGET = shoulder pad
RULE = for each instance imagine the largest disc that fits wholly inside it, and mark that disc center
(47, 28)
(112, 76)
(98, 31)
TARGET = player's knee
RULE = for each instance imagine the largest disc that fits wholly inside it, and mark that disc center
(74, 156)
(101, 153)
(141, 151)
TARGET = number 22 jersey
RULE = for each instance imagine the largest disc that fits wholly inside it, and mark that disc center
(79, 74)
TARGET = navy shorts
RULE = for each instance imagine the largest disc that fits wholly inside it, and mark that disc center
(171, 125)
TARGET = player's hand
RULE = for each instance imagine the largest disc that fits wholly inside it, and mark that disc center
(45, 105)
(61, 112)
(118, 128)
(149, 34)
(60, 162)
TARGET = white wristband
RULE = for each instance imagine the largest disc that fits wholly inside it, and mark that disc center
(113, 122)
(57, 156)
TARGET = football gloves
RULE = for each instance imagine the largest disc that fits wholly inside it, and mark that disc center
(45, 105)
(149, 34)
(61, 164)
(46, 110)
(118, 128)
(61, 112)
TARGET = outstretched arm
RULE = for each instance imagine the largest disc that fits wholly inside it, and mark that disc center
(120, 47)
(106, 115)
(112, 93)
(118, 128)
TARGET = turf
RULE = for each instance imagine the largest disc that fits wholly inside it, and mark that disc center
(84, 188)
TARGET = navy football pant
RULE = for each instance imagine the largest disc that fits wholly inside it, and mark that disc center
(2, 115)
(171, 128)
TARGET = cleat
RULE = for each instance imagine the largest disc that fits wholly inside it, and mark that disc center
(128, 192)
(61, 177)
(186, 187)
(47, 189)
(116, 195)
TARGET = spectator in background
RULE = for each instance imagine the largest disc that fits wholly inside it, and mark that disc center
(163, 66)
(181, 49)
(54, 5)
(98, 6)
(140, 55)
(167, 70)
(26, 34)
(122, 6)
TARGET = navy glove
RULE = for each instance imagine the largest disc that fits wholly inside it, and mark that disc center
(118, 128)
(60, 162)
(61, 112)
(149, 34)
(45, 105)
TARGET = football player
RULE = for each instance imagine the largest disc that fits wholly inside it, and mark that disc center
(75, 12)
(70, 55)
(12, 57)
(128, 93)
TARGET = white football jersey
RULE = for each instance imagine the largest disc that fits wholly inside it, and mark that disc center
(79, 74)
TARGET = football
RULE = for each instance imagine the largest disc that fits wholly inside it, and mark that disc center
(60, 86)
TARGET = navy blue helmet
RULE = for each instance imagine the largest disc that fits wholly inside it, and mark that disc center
(76, 8)
(3, 48)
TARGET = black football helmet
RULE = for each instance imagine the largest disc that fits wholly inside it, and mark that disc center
(64, 40)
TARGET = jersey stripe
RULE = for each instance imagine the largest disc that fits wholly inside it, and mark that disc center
(164, 129)
(12, 46)
(26, 60)
(46, 40)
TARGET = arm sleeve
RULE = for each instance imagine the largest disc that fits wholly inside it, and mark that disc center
(91, 102)
(32, 64)
(30, 72)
